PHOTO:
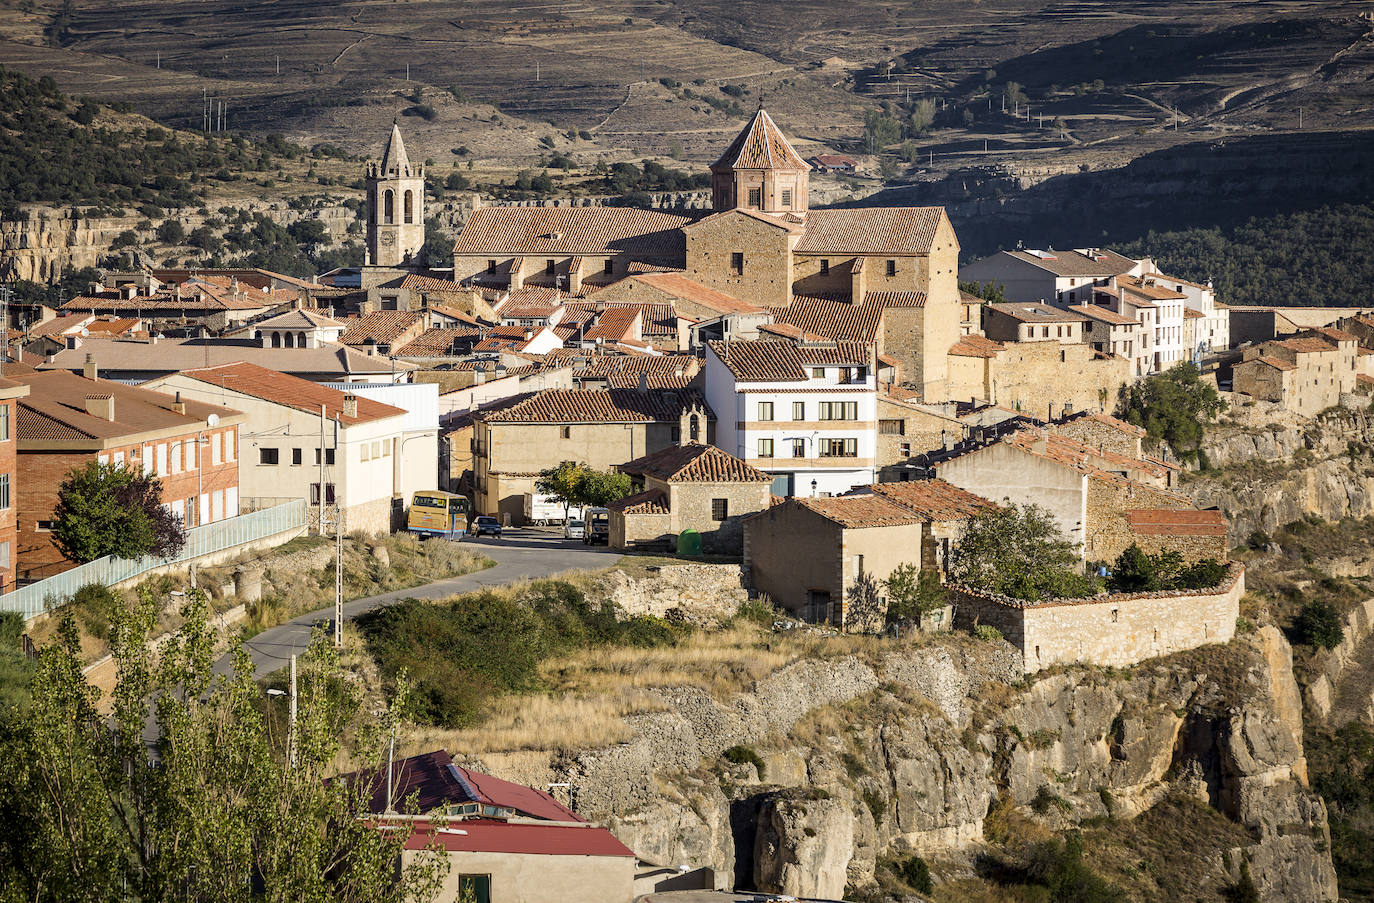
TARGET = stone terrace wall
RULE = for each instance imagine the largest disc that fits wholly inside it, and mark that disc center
(1119, 629)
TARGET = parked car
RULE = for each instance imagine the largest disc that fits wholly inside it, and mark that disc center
(485, 525)
(574, 529)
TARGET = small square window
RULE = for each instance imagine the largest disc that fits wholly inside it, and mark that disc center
(798, 410)
(491, 266)
(565, 432)
(755, 197)
(549, 267)
(892, 268)
(818, 373)
(765, 448)
(296, 456)
(610, 266)
(736, 262)
(720, 509)
(799, 448)
(268, 455)
(765, 410)
(825, 267)
(787, 197)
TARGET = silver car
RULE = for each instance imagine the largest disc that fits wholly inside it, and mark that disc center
(574, 529)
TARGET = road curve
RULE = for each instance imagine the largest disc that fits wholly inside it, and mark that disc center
(520, 554)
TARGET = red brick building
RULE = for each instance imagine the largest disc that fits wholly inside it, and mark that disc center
(9, 539)
(67, 420)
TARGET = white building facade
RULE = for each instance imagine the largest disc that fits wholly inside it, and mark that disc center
(805, 413)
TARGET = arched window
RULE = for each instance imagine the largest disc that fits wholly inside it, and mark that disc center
(410, 207)
(300, 340)
(290, 340)
(388, 206)
(694, 428)
(276, 340)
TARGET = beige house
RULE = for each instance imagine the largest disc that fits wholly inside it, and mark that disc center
(514, 440)
(1032, 322)
(1043, 378)
(1307, 374)
(688, 487)
(806, 553)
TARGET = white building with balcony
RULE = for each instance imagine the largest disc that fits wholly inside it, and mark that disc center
(804, 412)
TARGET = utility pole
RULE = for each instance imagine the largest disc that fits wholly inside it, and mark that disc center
(338, 556)
(279, 64)
(321, 462)
(291, 719)
(407, 71)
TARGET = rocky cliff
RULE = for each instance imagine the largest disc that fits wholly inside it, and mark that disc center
(908, 750)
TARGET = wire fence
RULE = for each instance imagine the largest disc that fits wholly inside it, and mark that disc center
(208, 539)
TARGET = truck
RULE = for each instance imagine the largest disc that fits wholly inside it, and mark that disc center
(542, 509)
(597, 526)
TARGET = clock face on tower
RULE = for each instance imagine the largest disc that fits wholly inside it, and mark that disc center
(386, 239)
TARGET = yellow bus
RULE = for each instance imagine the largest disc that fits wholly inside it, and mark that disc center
(434, 512)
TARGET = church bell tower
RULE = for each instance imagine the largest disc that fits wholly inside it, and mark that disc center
(395, 206)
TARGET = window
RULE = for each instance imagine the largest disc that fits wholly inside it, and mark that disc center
(799, 448)
(736, 262)
(315, 493)
(388, 207)
(839, 448)
(818, 373)
(825, 267)
(267, 456)
(905, 449)
(296, 456)
(720, 509)
(549, 267)
(787, 197)
(190, 456)
(4, 423)
(892, 427)
(610, 266)
(215, 456)
(755, 197)
(365, 451)
(892, 268)
(565, 432)
(491, 266)
(765, 410)
(4, 490)
(44, 526)
(476, 888)
(410, 210)
(162, 460)
(328, 457)
(231, 442)
(839, 410)
(798, 410)
(176, 457)
(765, 448)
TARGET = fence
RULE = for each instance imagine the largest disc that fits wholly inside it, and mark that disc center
(33, 599)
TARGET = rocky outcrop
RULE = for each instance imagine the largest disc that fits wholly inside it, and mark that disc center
(702, 594)
(1342, 673)
(908, 749)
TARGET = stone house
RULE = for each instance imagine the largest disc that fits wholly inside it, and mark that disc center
(1306, 374)
(1119, 629)
(66, 421)
(1103, 432)
(1032, 322)
(713, 314)
(1194, 535)
(806, 553)
(688, 487)
(908, 428)
(322, 444)
(1043, 378)
(1107, 331)
(516, 439)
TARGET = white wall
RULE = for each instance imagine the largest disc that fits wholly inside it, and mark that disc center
(1003, 471)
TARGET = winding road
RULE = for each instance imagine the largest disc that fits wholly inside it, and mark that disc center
(519, 555)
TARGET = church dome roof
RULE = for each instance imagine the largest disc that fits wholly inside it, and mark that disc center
(760, 145)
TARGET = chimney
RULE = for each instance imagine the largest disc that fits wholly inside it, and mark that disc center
(101, 406)
(178, 405)
(89, 369)
(643, 387)
(350, 406)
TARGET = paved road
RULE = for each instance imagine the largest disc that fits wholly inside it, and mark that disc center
(528, 553)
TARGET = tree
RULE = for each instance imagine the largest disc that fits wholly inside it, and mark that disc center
(913, 593)
(114, 510)
(1173, 406)
(880, 130)
(988, 291)
(215, 810)
(1019, 551)
(437, 251)
(1015, 96)
(599, 488)
(1137, 571)
(922, 115)
(1318, 624)
(863, 604)
(171, 232)
(560, 483)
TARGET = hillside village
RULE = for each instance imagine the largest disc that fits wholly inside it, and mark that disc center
(824, 396)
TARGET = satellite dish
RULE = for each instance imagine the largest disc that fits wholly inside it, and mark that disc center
(213, 420)
(85, 332)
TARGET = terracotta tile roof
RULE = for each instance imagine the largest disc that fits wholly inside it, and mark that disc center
(674, 371)
(651, 502)
(679, 286)
(1165, 277)
(1149, 287)
(1190, 314)
(382, 327)
(835, 354)
(1176, 522)
(976, 346)
(896, 299)
(614, 324)
(835, 160)
(566, 231)
(871, 231)
(760, 145)
(597, 406)
(1334, 334)
(300, 319)
(933, 500)
(165, 302)
(54, 411)
(171, 355)
(1364, 380)
(426, 284)
(854, 511)
(1307, 346)
(459, 315)
(1105, 314)
(1072, 263)
(761, 361)
(1035, 312)
(1276, 363)
(523, 838)
(291, 392)
(787, 330)
(831, 318)
(695, 463)
(441, 341)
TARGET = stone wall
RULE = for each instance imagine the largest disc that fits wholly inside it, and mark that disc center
(1108, 533)
(1095, 433)
(706, 594)
(1118, 629)
(766, 278)
(1048, 379)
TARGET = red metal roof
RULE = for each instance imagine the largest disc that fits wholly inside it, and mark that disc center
(484, 836)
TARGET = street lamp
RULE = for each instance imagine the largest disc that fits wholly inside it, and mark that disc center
(291, 715)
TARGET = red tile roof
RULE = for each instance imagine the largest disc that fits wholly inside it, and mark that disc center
(671, 371)
(695, 463)
(934, 500)
(1276, 363)
(896, 299)
(1102, 262)
(596, 406)
(855, 511)
(382, 327)
(651, 502)
(1307, 346)
(1149, 287)
(762, 361)
(54, 411)
(760, 145)
(831, 318)
(898, 231)
(566, 231)
(290, 391)
(486, 836)
(976, 346)
(1105, 314)
(615, 324)
(1034, 312)
(680, 286)
(1176, 522)
(440, 342)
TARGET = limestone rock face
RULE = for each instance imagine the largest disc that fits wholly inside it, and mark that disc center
(704, 594)
(939, 789)
(804, 847)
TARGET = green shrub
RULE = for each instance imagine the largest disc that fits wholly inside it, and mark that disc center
(1258, 540)
(744, 755)
(1045, 798)
(94, 606)
(756, 611)
(1319, 625)
(916, 874)
(1059, 866)
(987, 633)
